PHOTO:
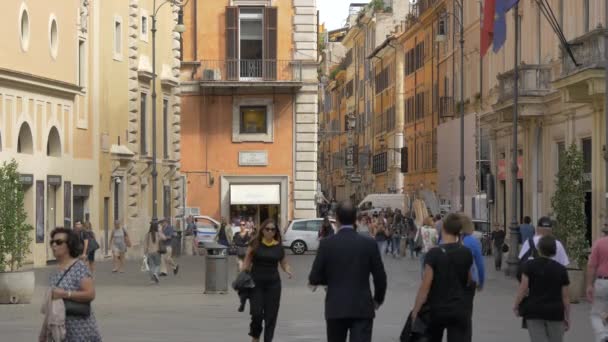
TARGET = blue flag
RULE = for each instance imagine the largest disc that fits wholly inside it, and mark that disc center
(500, 22)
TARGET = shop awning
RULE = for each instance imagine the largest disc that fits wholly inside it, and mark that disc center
(255, 194)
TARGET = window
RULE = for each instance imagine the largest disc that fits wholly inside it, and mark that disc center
(143, 26)
(587, 159)
(53, 37)
(25, 142)
(143, 147)
(314, 225)
(299, 226)
(81, 63)
(118, 38)
(24, 28)
(379, 163)
(561, 147)
(251, 42)
(166, 128)
(253, 120)
(53, 146)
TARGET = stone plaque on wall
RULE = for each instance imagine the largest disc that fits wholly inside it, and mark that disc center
(253, 158)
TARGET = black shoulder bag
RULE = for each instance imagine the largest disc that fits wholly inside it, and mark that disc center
(72, 308)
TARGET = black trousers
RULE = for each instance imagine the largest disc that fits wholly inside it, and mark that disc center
(456, 326)
(360, 329)
(469, 296)
(264, 303)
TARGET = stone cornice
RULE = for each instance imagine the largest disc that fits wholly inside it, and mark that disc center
(29, 80)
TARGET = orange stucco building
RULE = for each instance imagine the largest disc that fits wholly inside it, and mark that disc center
(249, 102)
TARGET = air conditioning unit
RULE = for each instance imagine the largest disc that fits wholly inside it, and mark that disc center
(212, 75)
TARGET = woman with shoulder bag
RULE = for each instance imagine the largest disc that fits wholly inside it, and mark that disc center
(73, 283)
(153, 248)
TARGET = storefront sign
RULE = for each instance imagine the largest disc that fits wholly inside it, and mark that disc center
(53, 180)
(255, 194)
(253, 158)
(26, 179)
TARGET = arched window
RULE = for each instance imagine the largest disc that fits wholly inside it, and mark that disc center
(24, 27)
(53, 145)
(25, 143)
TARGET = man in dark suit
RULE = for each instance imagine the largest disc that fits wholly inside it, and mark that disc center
(344, 263)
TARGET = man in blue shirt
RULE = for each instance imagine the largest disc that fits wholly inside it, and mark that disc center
(478, 270)
(526, 230)
(167, 259)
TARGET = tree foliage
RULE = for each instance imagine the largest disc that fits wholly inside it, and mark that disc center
(15, 236)
(568, 204)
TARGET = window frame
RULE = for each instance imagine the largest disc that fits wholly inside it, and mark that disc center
(144, 36)
(242, 128)
(53, 44)
(237, 136)
(117, 55)
(24, 35)
(166, 125)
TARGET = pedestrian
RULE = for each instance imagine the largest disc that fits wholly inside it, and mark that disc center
(152, 246)
(428, 234)
(167, 257)
(241, 241)
(72, 282)
(344, 264)
(478, 270)
(327, 229)
(597, 286)
(438, 224)
(543, 298)
(250, 224)
(390, 230)
(92, 245)
(446, 275)
(498, 239)
(224, 234)
(380, 234)
(397, 228)
(119, 240)
(526, 230)
(544, 228)
(264, 256)
(412, 231)
(191, 233)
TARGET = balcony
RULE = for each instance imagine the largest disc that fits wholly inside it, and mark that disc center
(422, 6)
(446, 107)
(247, 76)
(583, 82)
(534, 84)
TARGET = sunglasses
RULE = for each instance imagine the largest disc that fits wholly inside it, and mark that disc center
(57, 242)
(270, 229)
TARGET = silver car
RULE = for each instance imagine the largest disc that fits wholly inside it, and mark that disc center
(303, 235)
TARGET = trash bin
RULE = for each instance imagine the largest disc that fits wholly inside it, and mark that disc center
(216, 268)
(177, 244)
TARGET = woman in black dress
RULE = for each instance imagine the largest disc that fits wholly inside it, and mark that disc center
(264, 256)
(241, 241)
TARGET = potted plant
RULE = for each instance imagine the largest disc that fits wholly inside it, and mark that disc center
(568, 206)
(16, 285)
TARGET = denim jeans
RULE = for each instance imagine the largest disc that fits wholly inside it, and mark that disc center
(599, 309)
(381, 246)
(396, 243)
(545, 331)
(154, 264)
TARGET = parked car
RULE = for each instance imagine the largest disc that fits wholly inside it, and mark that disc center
(206, 228)
(303, 235)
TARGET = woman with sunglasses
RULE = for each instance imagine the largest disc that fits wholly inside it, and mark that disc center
(264, 256)
(72, 281)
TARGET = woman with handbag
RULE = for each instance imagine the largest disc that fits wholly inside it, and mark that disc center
(153, 248)
(73, 283)
(119, 241)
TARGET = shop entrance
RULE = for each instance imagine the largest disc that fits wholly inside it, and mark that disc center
(259, 213)
(258, 201)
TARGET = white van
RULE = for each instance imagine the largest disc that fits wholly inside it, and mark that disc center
(383, 201)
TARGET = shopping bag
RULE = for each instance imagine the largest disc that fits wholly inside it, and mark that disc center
(144, 264)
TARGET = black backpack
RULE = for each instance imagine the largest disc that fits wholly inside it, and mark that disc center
(532, 252)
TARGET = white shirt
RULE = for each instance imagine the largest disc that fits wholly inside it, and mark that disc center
(560, 255)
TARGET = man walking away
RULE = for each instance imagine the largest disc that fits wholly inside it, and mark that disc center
(167, 258)
(498, 237)
(597, 287)
(446, 275)
(526, 230)
(344, 263)
(544, 228)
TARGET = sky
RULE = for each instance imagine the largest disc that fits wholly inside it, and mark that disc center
(334, 12)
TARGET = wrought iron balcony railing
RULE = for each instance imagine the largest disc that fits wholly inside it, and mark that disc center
(251, 70)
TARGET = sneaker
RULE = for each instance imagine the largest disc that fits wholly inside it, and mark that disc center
(163, 274)
(176, 269)
(155, 278)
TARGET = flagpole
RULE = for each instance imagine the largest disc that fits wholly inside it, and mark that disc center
(513, 260)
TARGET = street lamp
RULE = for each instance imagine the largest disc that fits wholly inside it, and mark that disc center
(180, 28)
(441, 37)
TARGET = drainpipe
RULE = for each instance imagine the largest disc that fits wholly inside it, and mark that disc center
(606, 111)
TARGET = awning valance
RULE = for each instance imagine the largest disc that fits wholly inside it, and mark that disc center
(255, 194)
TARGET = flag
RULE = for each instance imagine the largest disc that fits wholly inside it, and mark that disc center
(487, 26)
(500, 22)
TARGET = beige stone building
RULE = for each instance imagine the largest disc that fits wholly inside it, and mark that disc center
(76, 108)
(47, 116)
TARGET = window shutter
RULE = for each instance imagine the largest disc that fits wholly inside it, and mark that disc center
(232, 42)
(270, 43)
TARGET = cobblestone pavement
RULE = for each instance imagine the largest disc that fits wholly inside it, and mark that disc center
(129, 310)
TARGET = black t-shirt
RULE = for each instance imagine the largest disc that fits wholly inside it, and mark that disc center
(544, 301)
(241, 241)
(266, 262)
(499, 237)
(451, 264)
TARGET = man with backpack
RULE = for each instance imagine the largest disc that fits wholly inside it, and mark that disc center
(528, 250)
(447, 273)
